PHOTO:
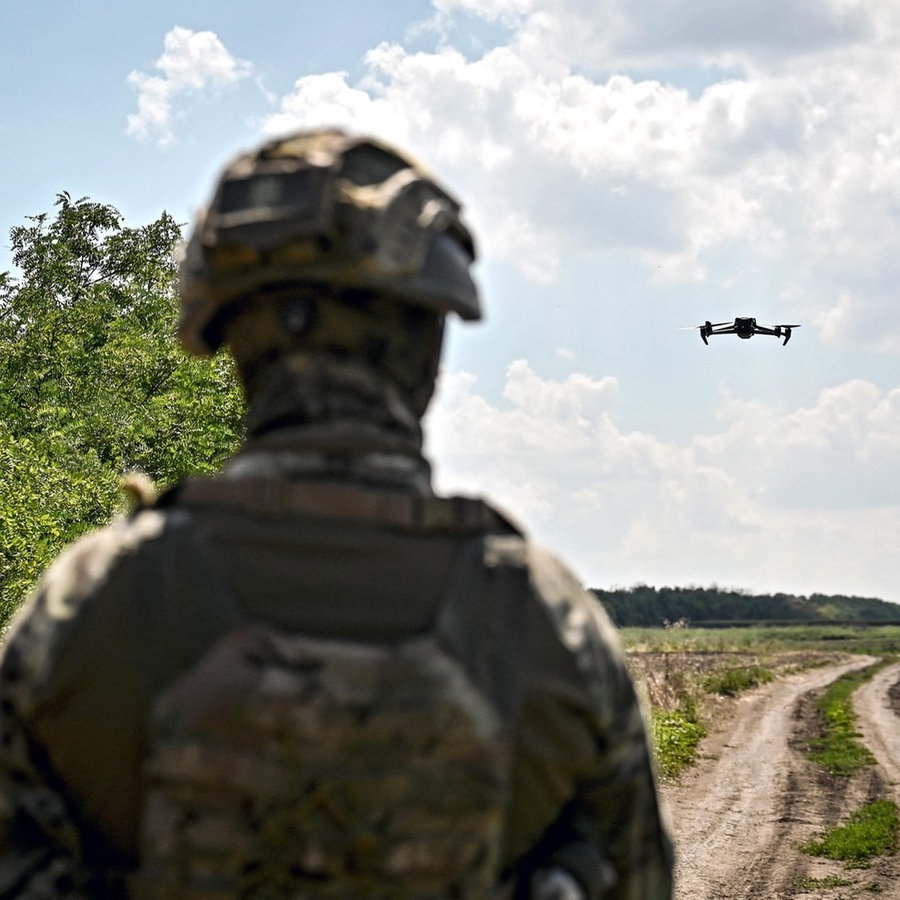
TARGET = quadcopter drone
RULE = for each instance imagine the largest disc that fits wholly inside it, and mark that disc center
(744, 328)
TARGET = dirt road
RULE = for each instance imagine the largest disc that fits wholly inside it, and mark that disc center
(741, 812)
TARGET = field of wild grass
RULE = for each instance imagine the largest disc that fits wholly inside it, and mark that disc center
(683, 673)
(875, 639)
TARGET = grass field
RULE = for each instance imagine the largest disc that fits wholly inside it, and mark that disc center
(879, 640)
(680, 672)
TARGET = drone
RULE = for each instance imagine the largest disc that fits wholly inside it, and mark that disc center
(744, 328)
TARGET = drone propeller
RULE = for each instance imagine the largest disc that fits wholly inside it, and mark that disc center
(704, 325)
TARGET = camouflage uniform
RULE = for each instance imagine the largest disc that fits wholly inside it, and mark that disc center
(187, 701)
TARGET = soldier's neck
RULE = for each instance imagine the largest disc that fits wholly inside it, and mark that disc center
(322, 418)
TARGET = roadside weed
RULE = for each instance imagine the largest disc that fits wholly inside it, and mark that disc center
(871, 831)
(729, 681)
(839, 750)
(674, 735)
(808, 883)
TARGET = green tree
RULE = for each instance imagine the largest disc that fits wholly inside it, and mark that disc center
(92, 383)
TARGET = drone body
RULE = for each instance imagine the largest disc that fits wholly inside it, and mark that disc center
(744, 328)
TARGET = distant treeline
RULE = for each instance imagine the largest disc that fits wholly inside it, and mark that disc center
(645, 606)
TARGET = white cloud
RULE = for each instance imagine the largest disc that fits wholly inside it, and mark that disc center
(191, 62)
(766, 29)
(842, 453)
(577, 137)
(623, 32)
(491, 10)
(328, 100)
(770, 496)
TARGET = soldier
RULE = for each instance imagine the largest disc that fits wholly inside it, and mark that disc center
(310, 676)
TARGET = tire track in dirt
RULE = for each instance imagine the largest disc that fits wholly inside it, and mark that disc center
(741, 812)
(877, 705)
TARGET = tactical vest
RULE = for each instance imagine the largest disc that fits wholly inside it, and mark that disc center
(281, 765)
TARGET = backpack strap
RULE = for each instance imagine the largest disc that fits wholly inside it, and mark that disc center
(181, 604)
(482, 619)
(276, 498)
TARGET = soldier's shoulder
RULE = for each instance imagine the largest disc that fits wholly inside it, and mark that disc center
(81, 569)
(552, 580)
(575, 613)
(557, 583)
(78, 597)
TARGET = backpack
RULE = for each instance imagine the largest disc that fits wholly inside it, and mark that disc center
(281, 765)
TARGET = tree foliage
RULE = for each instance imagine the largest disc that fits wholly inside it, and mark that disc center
(92, 384)
(645, 606)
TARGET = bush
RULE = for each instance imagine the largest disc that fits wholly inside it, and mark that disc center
(732, 680)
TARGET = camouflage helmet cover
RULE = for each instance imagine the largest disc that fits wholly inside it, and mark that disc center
(324, 207)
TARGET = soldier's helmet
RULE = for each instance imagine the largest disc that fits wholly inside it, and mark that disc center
(324, 208)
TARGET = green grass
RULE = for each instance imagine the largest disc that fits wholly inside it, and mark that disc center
(839, 750)
(730, 680)
(808, 883)
(676, 688)
(871, 831)
(674, 735)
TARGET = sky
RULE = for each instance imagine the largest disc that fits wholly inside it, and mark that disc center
(629, 168)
